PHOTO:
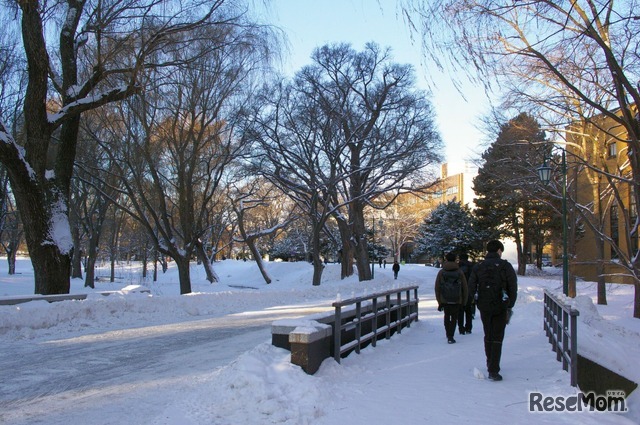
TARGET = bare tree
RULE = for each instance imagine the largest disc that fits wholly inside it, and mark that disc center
(578, 60)
(11, 229)
(248, 202)
(80, 56)
(93, 196)
(387, 133)
(349, 128)
(11, 92)
(181, 140)
(402, 220)
(297, 151)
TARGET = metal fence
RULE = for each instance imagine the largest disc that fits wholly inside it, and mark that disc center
(390, 311)
(561, 327)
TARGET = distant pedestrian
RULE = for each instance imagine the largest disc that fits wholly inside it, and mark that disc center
(379, 262)
(451, 293)
(396, 269)
(465, 315)
(495, 285)
(384, 264)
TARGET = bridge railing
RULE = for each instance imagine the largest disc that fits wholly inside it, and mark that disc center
(561, 327)
(354, 323)
(390, 311)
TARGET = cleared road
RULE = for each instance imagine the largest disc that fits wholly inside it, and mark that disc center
(54, 381)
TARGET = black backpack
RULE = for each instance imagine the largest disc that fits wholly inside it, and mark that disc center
(450, 287)
(491, 283)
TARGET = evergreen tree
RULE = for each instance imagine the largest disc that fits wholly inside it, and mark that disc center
(449, 228)
(508, 189)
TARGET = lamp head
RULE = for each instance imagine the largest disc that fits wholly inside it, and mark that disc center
(544, 172)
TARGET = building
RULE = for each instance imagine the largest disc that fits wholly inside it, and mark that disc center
(603, 246)
(405, 215)
(455, 184)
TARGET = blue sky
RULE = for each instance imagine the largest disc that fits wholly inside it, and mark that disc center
(312, 23)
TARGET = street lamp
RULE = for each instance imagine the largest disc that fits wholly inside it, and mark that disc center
(544, 172)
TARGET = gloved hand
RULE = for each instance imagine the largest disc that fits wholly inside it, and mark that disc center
(440, 308)
(509, 314)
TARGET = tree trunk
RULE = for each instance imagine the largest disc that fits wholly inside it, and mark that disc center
(361, 253)
(145, 262)
(155, 267)
(522, 262)
(602, 284)
(90, 272)
(112, 276)
(636, 301)
(49, 250)
(206, 263)
(11, 260)
(163, 263)
(92, 254)
(76, 264)
(51, 270)
(184, 274)
(76, 259)
(251, 243)
(318, 265)
(346, 262)
(51, 266)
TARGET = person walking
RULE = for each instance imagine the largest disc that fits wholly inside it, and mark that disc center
(466, 311)
(494, 284)
(451, 293)
(396, 269)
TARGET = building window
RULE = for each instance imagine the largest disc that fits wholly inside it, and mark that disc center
(615, 237)
(612, 150)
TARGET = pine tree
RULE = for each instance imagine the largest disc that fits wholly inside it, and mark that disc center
(508, 189)
(449, 228)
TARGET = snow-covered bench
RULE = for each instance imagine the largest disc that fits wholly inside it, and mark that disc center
(20, 299)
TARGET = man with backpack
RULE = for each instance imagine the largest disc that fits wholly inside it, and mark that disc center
(495, 287)
(451, 293)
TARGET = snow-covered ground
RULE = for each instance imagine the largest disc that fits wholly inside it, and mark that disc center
(413, 378)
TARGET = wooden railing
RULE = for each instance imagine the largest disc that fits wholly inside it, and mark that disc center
(385, 313)
(561, 326)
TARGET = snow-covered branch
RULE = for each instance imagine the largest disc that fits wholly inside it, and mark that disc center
(91, 102)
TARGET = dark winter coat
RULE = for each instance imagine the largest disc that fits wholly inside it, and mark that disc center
(466, 266)
(450, 266)
(396, 267)
(510, 282)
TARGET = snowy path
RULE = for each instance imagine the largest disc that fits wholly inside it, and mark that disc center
(175, 360)
(451, 389)
(62, 377)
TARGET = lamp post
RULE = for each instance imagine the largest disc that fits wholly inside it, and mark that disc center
(544, 172)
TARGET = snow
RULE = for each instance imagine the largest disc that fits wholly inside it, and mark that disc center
(60, 232)
(414, 377)
(55, 118)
